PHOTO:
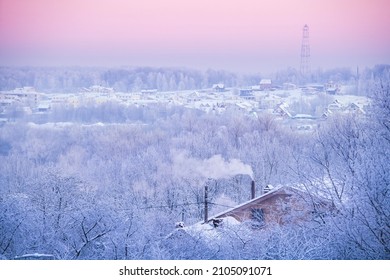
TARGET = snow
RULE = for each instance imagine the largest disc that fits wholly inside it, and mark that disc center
(114, 159)
(35, 256)
(265, 82)
(208, 232)
(303, 116)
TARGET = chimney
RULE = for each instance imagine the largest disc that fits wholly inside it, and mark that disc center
(267, 188)
(253, 190)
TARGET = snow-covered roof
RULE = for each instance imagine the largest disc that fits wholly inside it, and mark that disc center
(44, 105)
(259, 198)
(220, 85)
(304, 116)
(286, 190)
(35, 256)
(265, 82)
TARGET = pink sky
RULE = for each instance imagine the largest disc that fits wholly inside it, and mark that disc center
(241, 35)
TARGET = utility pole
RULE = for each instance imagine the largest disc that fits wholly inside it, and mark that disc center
(206, 193)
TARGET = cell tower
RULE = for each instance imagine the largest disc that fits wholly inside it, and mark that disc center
(305, 52)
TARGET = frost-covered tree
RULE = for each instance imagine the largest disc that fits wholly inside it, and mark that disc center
(115, 190)
(351, 157)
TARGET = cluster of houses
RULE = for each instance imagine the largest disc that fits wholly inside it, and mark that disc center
(26, 95)
(258, 98)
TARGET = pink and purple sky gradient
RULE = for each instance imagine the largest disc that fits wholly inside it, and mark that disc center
(238, 35)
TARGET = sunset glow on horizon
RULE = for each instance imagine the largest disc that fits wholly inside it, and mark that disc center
(246, 35)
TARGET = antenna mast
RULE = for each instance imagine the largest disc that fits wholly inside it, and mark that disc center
(305, 52)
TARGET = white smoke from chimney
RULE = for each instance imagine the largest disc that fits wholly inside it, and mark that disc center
(215, 167)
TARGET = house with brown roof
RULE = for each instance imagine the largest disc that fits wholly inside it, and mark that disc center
(219, 87)
(282, 205)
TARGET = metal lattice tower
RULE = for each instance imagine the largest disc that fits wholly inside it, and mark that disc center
(305, 52)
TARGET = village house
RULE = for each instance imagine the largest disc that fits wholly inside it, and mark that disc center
(355, 108)
(100, 89)
(331, 88)
(219, 87)
(281, 110)
(265, 84)
(335, 106)
(281, 205)
(25, 95)
(193, 97)
(44, 107)
(128, 96)
(256, 88)
(247, 94)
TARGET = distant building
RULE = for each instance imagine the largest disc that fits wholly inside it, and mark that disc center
(281, 110)
(219, 87)
(332, 88)
(326, 114)
(265, 84)
(100, 89)
(335, 106)
(44, 107)
(247, 94)
(193, 97)
(5, 102)
(256, 88)
(355, 108)
(149, 91)
(25, 95)
(64, 98)
(126, 97)
(312, 88)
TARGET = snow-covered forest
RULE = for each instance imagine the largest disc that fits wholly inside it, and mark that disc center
(70, 79)
(114, 187)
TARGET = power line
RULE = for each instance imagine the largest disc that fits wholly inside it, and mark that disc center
(174, 206)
